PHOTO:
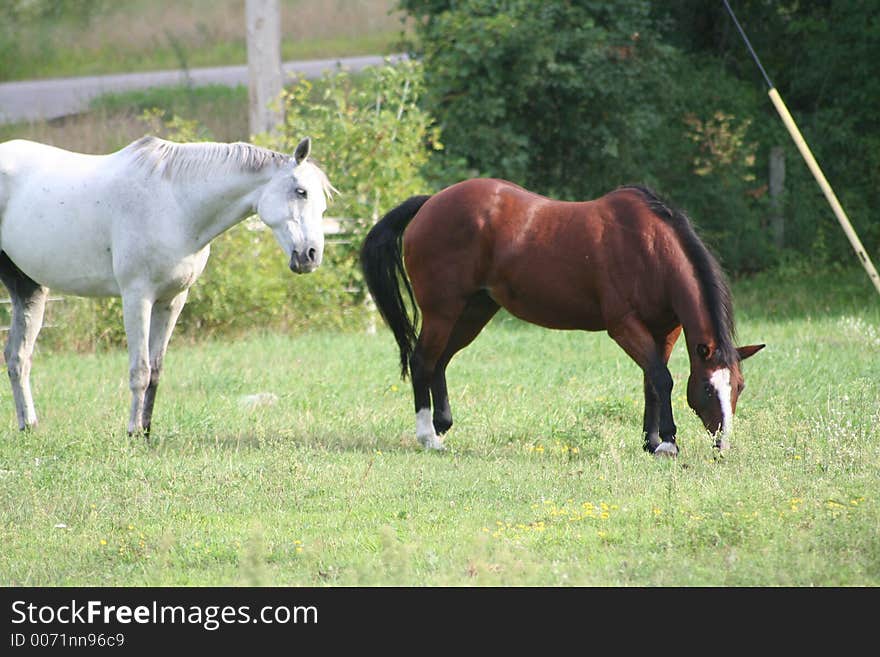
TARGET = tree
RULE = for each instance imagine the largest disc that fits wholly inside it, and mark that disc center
(552, 95)
(263, 19)
(572, 98)
(821, 56)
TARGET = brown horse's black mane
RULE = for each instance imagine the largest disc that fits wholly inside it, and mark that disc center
(716, 291)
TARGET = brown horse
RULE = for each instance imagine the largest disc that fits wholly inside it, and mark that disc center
(627, 263)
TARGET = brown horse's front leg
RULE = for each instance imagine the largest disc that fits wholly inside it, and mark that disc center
(651, 421)
(638, 342)
(659, 388)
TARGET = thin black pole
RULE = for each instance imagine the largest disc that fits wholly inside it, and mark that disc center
(748, 44)
(804, 149)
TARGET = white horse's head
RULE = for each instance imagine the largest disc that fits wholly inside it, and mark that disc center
(292, 205)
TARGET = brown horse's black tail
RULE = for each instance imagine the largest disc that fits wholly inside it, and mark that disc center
(382, 265)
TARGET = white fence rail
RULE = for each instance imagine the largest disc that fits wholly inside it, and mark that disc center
(6, 302)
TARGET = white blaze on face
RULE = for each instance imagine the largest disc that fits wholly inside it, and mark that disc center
(720, 380)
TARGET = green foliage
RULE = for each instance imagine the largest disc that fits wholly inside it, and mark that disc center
(22, 11)
(819, 56)
(16, 16)
(372, 139)
(543, 95)
(574, 98)
(247, 285)
(203, 105)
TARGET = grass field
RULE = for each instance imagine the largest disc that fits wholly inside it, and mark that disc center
(544, 481)
(146, 35)
(116, 120)
(291, 459)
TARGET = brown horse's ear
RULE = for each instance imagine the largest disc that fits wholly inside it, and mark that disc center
(703, 351)
(751, 350)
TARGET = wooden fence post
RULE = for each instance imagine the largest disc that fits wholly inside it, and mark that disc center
(263, 18)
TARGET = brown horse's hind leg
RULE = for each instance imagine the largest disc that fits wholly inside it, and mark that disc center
(651, 424)
(479, 310)
(430, 346)
(635, 339)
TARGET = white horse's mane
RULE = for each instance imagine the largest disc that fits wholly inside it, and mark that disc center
(177, 160)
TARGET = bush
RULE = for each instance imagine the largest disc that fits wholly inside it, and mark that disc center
(372, 139)
(556, 96)
(572, 98)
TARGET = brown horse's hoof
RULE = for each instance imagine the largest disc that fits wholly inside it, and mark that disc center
(666, 448)
(722, 445)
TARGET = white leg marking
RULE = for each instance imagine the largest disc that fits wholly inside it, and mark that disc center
(720, 380)
(425, 430)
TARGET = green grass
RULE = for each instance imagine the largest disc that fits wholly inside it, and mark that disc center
(75, 62)
(146, 35)
(544, 481)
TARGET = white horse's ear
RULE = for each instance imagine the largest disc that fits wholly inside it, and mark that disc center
(303, 149)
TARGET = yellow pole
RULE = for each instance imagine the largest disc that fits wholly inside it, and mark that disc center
(826, 188)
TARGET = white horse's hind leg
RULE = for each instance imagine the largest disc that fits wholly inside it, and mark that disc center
(26, 323)
(28, 305)
(162, 324)
(136, 314)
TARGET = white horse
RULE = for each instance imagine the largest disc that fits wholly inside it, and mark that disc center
(137, 224)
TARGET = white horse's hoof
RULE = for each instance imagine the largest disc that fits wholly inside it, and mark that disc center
(666, 448)
(431, 442)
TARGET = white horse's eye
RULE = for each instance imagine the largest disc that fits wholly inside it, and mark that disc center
(301, 192)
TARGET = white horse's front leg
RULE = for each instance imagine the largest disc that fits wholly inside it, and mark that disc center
(164, 318)
(136, 311)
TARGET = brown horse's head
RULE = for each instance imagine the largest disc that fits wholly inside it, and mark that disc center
(714, 387)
